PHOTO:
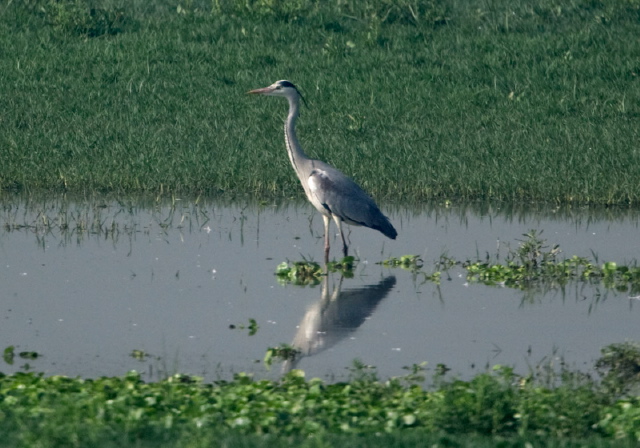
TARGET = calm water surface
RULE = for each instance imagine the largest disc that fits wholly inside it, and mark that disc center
(85, 282)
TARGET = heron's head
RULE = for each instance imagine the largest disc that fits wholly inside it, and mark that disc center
(279, 88)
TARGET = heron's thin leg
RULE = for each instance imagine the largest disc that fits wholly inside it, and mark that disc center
(345, 248)
(327, 221)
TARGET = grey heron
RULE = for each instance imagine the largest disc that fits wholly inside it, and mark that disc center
(332, 193)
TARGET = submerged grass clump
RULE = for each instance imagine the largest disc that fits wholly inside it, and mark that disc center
(612, 276)
(525, 101)
(531, 263)
(528, 266)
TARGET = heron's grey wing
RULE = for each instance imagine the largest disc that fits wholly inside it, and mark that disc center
(341, 196)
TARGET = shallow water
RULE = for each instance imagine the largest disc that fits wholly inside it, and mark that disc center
(85, 282)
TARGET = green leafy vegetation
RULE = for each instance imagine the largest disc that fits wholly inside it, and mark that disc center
(532, 264)
(299, 273)
(409, 262)
(506, 100)
(9, 354)
(620, 367)
(139, 355)
(512, 274)
(284, 352)
(252, 327)
(414, 264)
(527, 266)
(310, 272)
(497, 405)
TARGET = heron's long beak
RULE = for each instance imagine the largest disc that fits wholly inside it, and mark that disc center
(263, 91)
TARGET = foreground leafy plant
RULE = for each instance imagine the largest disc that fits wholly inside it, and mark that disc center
(37, 410)
(620, 366)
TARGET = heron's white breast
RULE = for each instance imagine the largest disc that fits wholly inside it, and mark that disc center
(315, 180)
(317, 183)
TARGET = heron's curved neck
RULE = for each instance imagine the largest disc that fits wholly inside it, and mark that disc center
(296, 154)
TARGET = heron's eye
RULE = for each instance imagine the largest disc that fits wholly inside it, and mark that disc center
(278, 87)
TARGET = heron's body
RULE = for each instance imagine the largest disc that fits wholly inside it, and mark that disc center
(332, 193)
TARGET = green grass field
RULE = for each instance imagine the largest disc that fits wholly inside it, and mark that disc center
(508, 100)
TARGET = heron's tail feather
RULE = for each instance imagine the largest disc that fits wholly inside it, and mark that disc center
(386, 228)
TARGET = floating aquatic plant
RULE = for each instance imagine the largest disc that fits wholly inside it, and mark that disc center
(284, 352)
(409, 262)
(310, 273)
(252, 327)
(531, 263)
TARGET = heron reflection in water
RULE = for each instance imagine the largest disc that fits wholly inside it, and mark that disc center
(335, 316)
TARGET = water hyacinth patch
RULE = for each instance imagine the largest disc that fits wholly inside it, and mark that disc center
(37, 410)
